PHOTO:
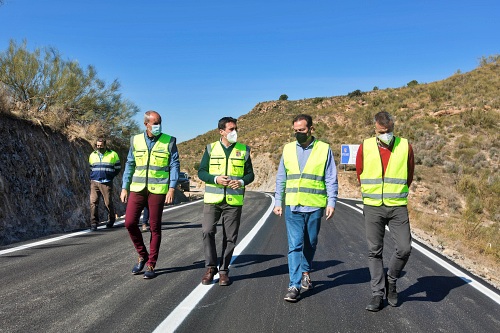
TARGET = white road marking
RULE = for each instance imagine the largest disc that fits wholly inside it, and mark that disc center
(465, 277)
(73, 234)
(177, 316)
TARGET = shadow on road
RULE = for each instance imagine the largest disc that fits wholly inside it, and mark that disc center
(431, 288)
(179, 225)
(195, 265)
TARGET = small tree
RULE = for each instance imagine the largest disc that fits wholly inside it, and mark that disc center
(355, 93)
(412, 83)
(283, 97)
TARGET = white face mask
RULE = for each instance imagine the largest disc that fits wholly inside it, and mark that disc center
(156, 129)
(232, 137)
(386, 137)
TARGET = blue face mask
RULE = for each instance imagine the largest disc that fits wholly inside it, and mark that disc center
(156, 129)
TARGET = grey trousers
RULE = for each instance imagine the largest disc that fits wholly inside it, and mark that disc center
(229, 217)
(376, 218)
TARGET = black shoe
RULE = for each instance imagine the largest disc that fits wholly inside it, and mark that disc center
(110, 225)
(292, 295)
(93, 227)
(390, 293)
(150, 272)
(375, 304)
(305, 282)
(137, 269)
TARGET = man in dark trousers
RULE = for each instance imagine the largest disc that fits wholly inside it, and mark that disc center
(104, 167)
(226, 168)
(385, 165)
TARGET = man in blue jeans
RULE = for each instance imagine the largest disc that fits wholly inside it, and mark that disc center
(308, 175)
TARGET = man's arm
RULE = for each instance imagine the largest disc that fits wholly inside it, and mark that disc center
(359, 162)
(127, 175)
(411, 165)
(174, 164)
(331, 180)
(248, 175)
(118, 164)
(203, 169)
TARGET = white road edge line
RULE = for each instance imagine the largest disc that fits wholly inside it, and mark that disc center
(465, 277)
(177, 316)
(73, 234)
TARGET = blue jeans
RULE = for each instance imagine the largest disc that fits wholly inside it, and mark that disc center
(302, 230)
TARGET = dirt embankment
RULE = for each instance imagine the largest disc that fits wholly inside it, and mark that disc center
(44, 182)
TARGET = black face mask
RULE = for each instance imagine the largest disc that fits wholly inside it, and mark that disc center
(301, 137)
(101, 150)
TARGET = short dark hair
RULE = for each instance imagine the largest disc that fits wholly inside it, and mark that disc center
(224, 120)
(103, 140)
(305, 117)
(383, 118)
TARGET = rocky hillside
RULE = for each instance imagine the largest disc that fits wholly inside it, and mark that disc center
(44, 181)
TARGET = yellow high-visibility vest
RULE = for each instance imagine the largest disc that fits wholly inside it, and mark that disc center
(306, 188)
(220, 165)
(152, 168)
(392, 188)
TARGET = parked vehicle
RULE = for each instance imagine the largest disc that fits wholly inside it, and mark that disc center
(183, 181)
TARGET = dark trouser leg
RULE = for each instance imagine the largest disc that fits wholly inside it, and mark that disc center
(94, 202)
(399, 226)
(231, 216)
(155, 203)
(375, 230)
(135, 205)
(211, 215)
(107, 194)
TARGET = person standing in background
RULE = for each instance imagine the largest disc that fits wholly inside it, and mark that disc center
(104, 167)
(226, 168)
(385, 166)
(308, 175)
(150, 175)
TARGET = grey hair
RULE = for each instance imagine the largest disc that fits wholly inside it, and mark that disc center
(147, 115)
(383, 118)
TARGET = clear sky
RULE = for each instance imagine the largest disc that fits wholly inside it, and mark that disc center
(197, 61)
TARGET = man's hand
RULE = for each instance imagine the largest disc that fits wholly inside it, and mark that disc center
(223, 180)
(234, 184)
(169, 198)
(124, 195)
(329, 212)
(278, 210)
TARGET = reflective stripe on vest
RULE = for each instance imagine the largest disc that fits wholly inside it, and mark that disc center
(220, 165)
(392, 189)
(152, 168)
(307, 188)
(109, 161)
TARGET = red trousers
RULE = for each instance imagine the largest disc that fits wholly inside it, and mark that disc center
(136, 203)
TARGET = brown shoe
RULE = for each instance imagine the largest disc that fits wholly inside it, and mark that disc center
(208, 277)
(224, 280)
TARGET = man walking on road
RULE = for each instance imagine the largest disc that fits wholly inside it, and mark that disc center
(150, 175)
(308, 175)
(104, 165)
(385, 165)
(226, 168)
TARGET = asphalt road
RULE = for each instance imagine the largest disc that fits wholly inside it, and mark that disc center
(84, 283)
